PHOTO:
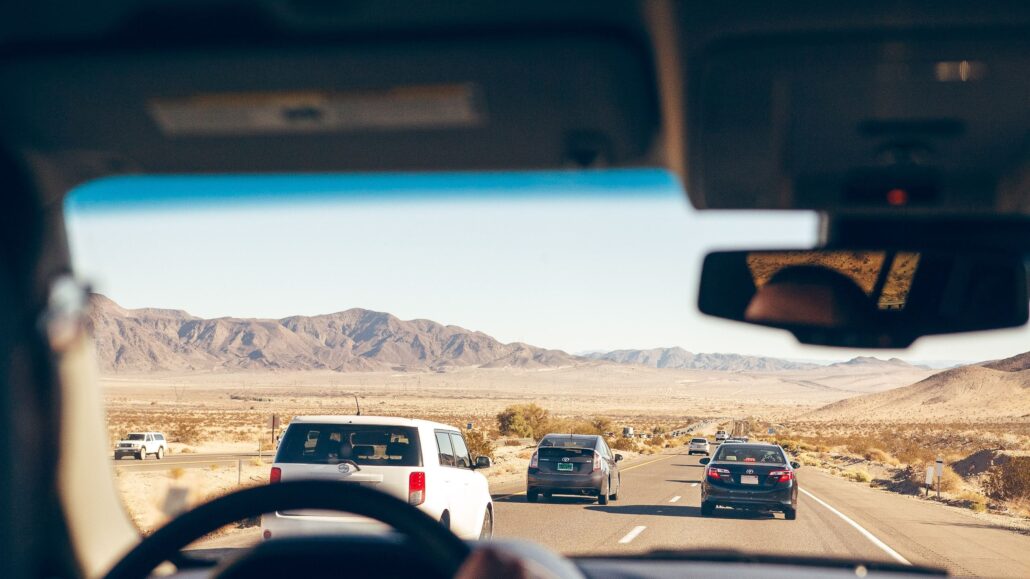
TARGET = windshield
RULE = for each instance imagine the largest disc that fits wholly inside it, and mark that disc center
(746, 453)
(291, 327)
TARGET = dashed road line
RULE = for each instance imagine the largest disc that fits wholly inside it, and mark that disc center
(632, 534)
(872, 538)
(674, 499)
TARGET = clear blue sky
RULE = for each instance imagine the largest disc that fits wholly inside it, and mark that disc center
(576, 261)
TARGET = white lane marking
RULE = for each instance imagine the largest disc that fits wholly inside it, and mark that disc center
(693, 484)
(632, 534)
(674, 499)
(872, 538)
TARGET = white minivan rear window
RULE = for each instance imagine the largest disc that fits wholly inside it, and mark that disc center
(365, 445)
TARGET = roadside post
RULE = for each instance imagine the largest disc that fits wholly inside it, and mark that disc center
(273, 423)
(929, 479)
(239, 471)
(940, 472)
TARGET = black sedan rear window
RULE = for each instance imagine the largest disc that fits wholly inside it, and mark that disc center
(746, 453)
(366, 445)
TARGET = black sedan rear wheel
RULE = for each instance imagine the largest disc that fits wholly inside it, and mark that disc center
(707, 509)
(532, 496)
(790, 513)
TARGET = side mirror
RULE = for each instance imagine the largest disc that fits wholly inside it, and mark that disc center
(795, 465)
(866, 298)
(483, 462)
(618, 457)
(705, 460)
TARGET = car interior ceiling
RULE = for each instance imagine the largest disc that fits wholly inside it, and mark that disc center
(92, 92)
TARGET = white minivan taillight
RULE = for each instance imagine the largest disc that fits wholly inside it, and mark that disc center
(416, 488)
(597, 462)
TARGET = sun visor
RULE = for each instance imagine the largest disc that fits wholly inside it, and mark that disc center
(485, 103)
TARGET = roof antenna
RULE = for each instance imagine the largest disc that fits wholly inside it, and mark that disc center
(356, 403)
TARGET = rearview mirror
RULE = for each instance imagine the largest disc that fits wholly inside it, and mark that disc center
(866, 298)
(704, 460)
(618, 457)
(795, 465)
(483, 462)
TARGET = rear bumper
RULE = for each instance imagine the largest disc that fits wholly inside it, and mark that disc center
(573, 484)
(773, 499)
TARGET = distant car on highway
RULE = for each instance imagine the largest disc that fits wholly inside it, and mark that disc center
(721, 436)
(573, 464)
(139, 445)
(732, 441)
(699, 445)
(750, 476)
(424, 463)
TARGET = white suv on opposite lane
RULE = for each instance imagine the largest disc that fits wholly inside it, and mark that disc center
(141, 444)
(424, 463)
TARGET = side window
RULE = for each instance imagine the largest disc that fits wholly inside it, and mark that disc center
(446, 452)
(159, 437)
(150, 438)
(461, 452)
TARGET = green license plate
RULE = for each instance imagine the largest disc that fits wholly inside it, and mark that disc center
(565, 466)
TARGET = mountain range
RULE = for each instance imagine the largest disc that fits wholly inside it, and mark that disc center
(676, 357)
(355, 340)
(989, 390)
(146, 340)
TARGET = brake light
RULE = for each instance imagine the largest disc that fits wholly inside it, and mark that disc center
(597, 462)
(534, 462)
(782, 475)
(416, 488)
(718, 473)
(276, 475)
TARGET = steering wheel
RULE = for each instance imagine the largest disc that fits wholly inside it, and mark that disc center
(445, 549)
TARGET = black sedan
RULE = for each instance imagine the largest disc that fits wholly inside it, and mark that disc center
(750, 476)
(573, 464)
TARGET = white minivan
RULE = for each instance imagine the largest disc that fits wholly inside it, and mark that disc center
(424, 463)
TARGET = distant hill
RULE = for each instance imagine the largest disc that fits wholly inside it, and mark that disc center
(990, 390)
(870, 362)
(146, 340)
(679, 358)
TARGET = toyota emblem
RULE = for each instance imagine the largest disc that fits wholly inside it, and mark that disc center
(566, 459)
(749, 471)
(345, 468)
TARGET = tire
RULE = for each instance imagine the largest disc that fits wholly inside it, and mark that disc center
(790, 514)
(707, 509)
(143, 454)
(488, 525)
(445, 520)
(532, 496)
(160, 452)
(602, 496)
(618, 489)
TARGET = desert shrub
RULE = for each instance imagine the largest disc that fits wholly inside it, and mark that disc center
(523, 420)
(859, 475)
(624, 444)
(479, 444)
(512, 442)
(876, 455)
(791, 446)
(655, 441)
(185, 431)
(176, 473)
(975, 501)
(1009, 480)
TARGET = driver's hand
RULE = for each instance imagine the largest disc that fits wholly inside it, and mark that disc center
(487, 562)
